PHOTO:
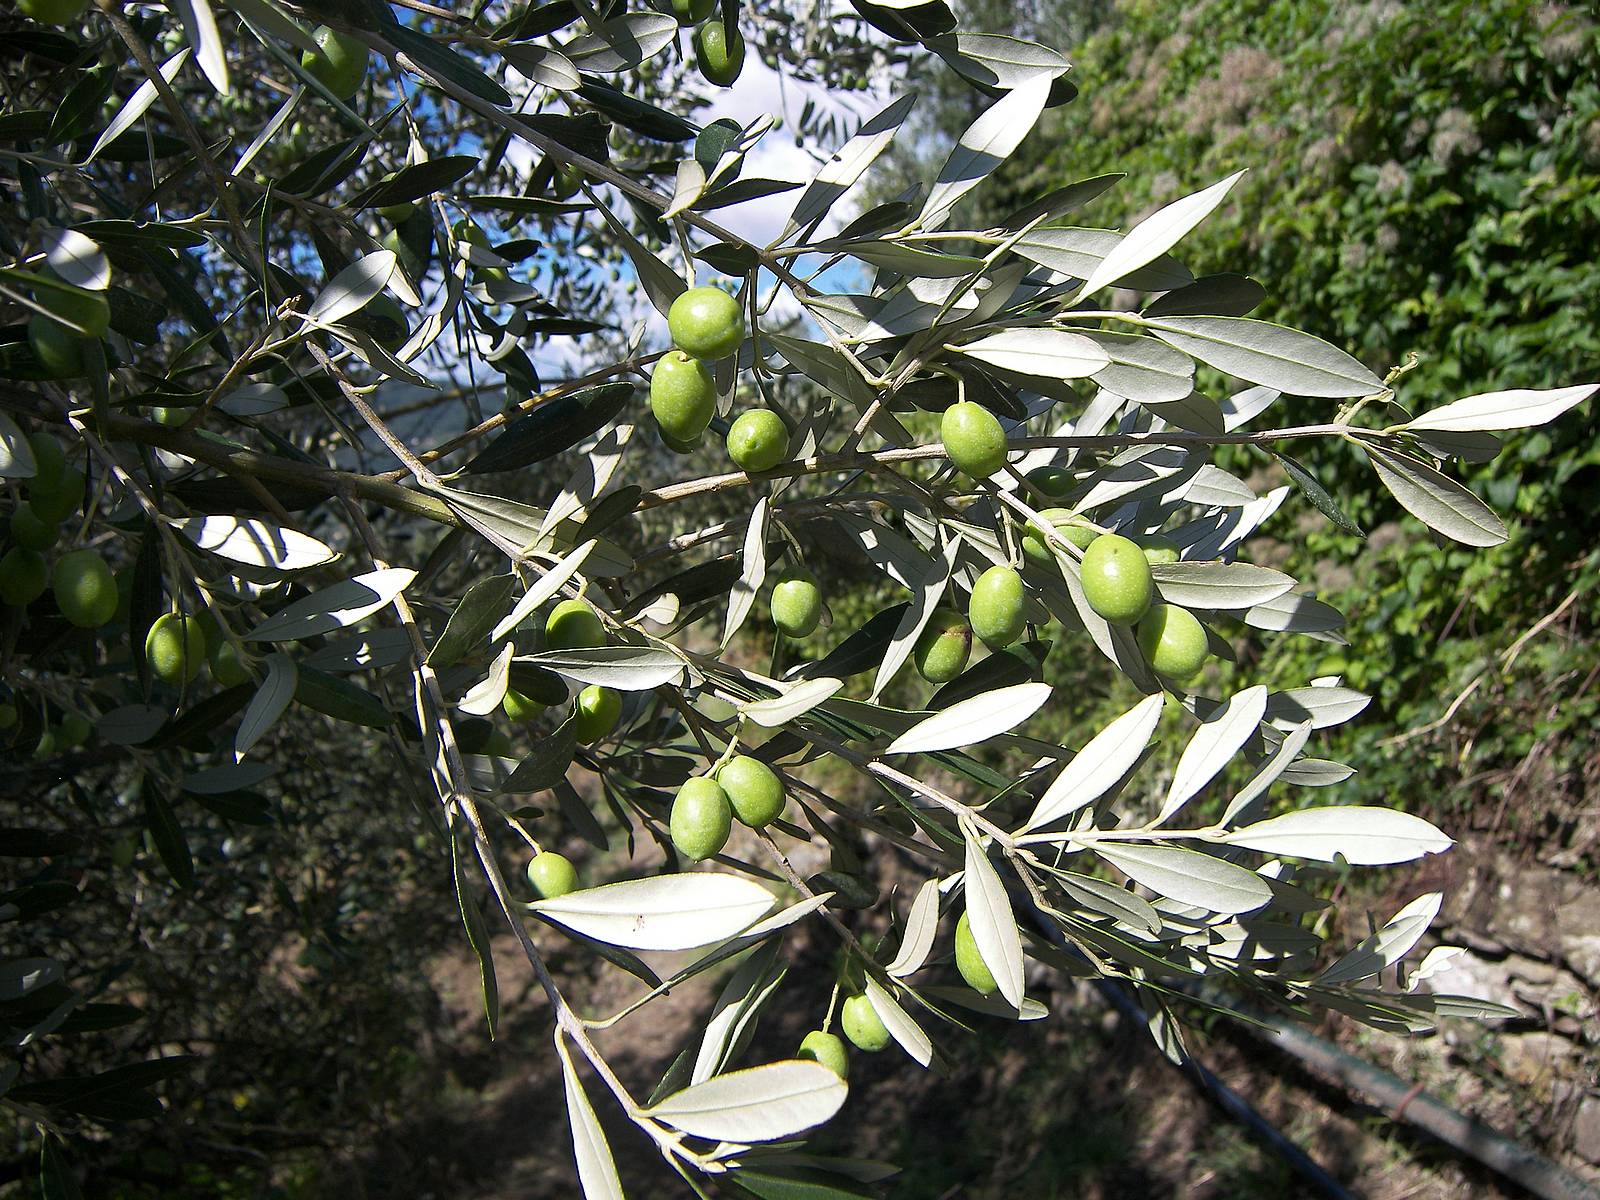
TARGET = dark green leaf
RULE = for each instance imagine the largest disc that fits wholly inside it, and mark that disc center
(548, 763)
(416, 181)
(644, 119)
(860, 651)
(442, 63)
(1316, 493)
(168, 837)
(340, 699)
(551, 428)
(800, 1183)
(479, 611)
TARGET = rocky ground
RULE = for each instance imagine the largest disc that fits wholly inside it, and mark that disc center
(1080, 1105)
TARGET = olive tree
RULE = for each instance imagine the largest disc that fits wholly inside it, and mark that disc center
(278, 432)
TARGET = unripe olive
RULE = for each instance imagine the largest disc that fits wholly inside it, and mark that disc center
(758, 440)
(683, 396)
(565, 181)
(55, 502)
(969, 962)
(175, 647)
(942, 649)
(74, 730)
(574, 625)
(1052, 480)
(58, 351)
(498, 743)
(973, 439)
(753, 788)
(1158, 548)
(227, 666)
(8, 716)
(52, 12)
(720, 52)
(1116, 579)
(23, 576)
(819, 1046)
(339, 62)
(681, 445)
(862, 1024)
(31, 533)
(706, 322)
(692, 12)
(86, 592)
(518, 707)
(796, 604)
(49, 460)
(1173, 640)
(46, 745)
(596, 712)
(1067, 524)
(998, 609)
(551, 875)
(701, 818)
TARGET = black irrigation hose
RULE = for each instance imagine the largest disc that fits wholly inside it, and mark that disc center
(1224, 1097)
(1235, 1105)
(1407, 1103)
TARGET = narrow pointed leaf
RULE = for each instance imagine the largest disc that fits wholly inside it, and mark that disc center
(994, 927)
(1213, 746)
(1156, 234)
(973, 721)
(1109, 756)
(760, 1104)
(663, 912)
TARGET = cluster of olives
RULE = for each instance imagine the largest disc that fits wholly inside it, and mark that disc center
(573, 625)
(704, 809)
(718, 48)
(86, 592)
(706, 325)
(1117, 582)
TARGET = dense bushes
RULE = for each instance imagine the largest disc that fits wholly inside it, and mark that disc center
(1424, 180)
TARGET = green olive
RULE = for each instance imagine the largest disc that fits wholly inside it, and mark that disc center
(74, 730)
(227, 666)
(85, 590)
(998, 608)
(819, 1046)
(46, 745)
(23, 576)
(692, 12)
(1173, 640)
(862, 1024)
(796, 604)
(973, 439)
(942, 649)
(1065, 522)
(754, 790)
(1158, 549)
(9, 716)
(58, 351)
(551, 875)
(1052, 480)
(574, 625)
(683, 396)
(701, 818)
(596, 712)
(1116, 579)
(175, 647)
(339, 62)
(49, 460)
(706, 322)
(31, 533)
(969, 962)
(56, 502)
(758, 440)
(52, 12)
(720, 52)
(518, 707)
